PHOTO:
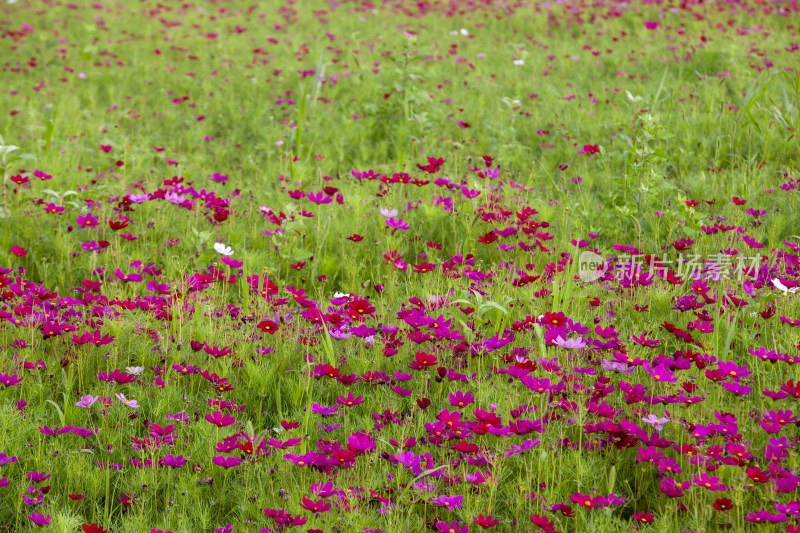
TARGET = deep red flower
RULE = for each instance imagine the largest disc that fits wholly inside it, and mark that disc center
(424, 267)
(591, 149)
(424, 359)
(543, 522)
(485, 521)
(723, 504)
(268, 326)
(359, 308)
(289, 425)
(488, 238)
(564, 509)
(554, 319)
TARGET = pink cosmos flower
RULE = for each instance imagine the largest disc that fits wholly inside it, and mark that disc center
(711, 483)
(461, 399)
(315, 507)
(588, 501)
(87, 401)
(40, 519)
(130, 403)
(53, 208)
(323, 410)
(226, 462)
(398, 223)
(87, 221)
(220, 420)
(450, 502)
(655, 421)
(570, 344)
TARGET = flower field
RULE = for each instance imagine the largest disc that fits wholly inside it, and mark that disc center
(399, 266)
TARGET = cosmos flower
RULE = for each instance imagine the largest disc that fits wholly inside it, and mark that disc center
(219, 419)
(398, 223)
(323, 410)
(173, 461)
(87, 401)
(320, 506)
(711, 483)
(783, 288)
(655, 421)
(452, 527)
(226, 462)
(570, 344)
(222, 249)
(40, 519)
(130, 403)
(10, 380)
(450, 502)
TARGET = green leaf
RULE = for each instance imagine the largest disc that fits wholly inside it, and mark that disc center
(612, 478)
(494, 305)
(300, 254)
(427, 473)
(49, 130)
(327, 345)
(61, 416)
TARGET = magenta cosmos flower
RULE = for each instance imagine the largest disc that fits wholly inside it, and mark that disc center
(397, 223)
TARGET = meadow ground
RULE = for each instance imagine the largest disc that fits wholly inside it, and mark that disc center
(399, 266)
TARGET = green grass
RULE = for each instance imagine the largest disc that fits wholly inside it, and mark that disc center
(702, 108)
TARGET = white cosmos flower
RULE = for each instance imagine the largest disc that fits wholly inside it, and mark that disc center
(135, 370)
(783, 288)
(222, 249)
(519, 62)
